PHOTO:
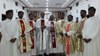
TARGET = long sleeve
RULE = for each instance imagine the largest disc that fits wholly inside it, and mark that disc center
(81, 24)
(57, 27)
(38, 23)
(91, 28)
(17, 31)
(97, 30)
(28, 28)
(48, 25)
(72, 30)
(34, 25)
(4, 31)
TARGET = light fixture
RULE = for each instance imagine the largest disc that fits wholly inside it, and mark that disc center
(67, 0)
(26, 0)
(65, 3)
(29, 3)
(47, 3)
(47, 9)
(62, 6)
(47, 0)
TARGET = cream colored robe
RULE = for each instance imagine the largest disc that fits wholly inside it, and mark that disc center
(71, 33)
(79, 42)
(59, 39)
(33, 51)
(28, 39)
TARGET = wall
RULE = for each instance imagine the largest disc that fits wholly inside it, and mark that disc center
(10, 4)
(83, 4)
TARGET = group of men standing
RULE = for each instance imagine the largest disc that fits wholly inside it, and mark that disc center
(46, 36)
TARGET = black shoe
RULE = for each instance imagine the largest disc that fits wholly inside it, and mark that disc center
(39, 55)
(45, 54)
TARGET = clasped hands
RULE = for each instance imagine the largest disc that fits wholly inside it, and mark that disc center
(12, 40)
(62, 34)
(87, 40)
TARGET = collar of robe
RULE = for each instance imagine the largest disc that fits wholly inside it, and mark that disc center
(92, 17)
(83, 19)
(8, 19)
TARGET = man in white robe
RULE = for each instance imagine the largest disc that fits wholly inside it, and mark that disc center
(3, 18)
(91, 33)
(8, 46)
(42, 35)
(32, 34)
(24, 41)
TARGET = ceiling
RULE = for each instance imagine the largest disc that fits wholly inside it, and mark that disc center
(53, 5)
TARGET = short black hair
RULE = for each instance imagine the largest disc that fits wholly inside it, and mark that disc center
(70, 16)
(42, 13)
(30, 14)
(9, 11)
(20, 12)
(62, 13)
(92, 8)
(3, 17)
(87, 16)
(83, 11)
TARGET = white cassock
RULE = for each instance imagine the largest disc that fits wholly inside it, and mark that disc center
(52, 49)
(91, 30)
(27, 44)
(9, 31)
(32, 24)
(41, 45)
